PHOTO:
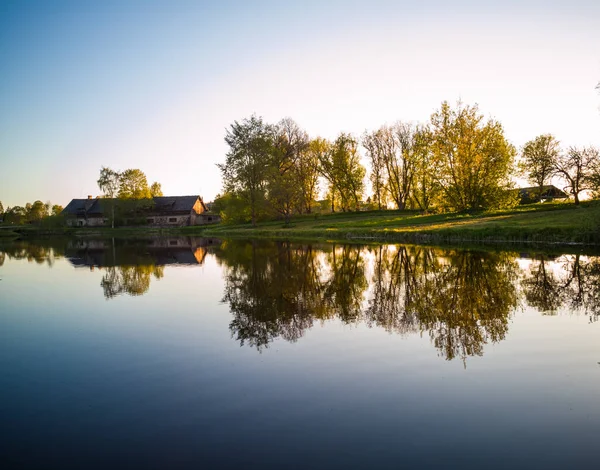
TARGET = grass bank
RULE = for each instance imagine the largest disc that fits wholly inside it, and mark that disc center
(550, 223)
(539, 224)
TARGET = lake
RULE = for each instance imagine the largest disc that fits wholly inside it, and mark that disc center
(200, 353)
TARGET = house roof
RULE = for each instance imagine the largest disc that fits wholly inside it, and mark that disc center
(161, 204)
(78, 206)
(176, 203)
(547, 190)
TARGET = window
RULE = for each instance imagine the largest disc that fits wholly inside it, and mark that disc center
(210, 219)
(149, 221)
(172, 242)
(172, 219)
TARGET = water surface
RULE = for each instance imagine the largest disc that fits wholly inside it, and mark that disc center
(185, 352)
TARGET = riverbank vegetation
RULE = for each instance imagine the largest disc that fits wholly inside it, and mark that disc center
(31, 213)
(458, 161)
(546, 225)
(549, 223)
(128, 192)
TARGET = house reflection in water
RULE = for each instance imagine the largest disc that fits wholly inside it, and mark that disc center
(130, 264)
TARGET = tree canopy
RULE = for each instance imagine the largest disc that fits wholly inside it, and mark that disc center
(539, 159)
(457, 161)
(32, 213)
(156, 190)
(133, 185)
(248, 161)
(473, 159)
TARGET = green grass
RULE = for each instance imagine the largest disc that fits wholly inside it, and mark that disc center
(539, 223)
(542, 224)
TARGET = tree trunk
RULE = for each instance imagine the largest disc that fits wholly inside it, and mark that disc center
(576, 199)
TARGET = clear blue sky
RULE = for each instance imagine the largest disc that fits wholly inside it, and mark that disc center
(154, 84)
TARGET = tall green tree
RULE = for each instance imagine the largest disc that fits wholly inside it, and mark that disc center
(424, 188)
(15, 215)
(133, 185)
(473, 159)
(57, 209)
(306, 172)
(109, 183)
(290, 143)
(36, 211)
(248, 161)
(341, 167)
(156, 190)
(1, 208)
(539, 158)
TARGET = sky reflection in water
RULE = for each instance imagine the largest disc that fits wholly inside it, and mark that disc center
(184, 351)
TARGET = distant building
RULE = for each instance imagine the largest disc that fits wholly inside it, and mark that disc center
(160, 211)
(548, 193)
(152, 251)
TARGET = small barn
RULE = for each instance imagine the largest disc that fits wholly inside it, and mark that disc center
(547, 193)
(157, 211)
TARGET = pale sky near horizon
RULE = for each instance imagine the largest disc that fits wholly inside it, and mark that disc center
(154, 84)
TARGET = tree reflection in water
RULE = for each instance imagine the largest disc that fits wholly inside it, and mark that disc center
(570, 282)
(272, 290)
(132, 280)
(46, 252)
(461, 299)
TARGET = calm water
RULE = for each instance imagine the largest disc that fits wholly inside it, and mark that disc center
(192, 353)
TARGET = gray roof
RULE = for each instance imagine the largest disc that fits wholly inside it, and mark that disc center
(176, 203)
(161, 204)
(79, 206)
(547, 190)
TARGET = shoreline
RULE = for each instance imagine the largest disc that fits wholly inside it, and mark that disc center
(548, 225)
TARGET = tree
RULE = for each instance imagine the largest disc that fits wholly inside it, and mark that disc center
(231, 208)
(393, 154)
(290, 142)
(399, 157)
(473, 159)
(341, 167)
(36, 211)
(577, 168)
(109, 183)
(247, 162)
(133, 185)
(307, 173)
(16, 215)
(1, 208)
(539, 158)
(424, 188)
(56, 209)
(156, 190)
(372, 144)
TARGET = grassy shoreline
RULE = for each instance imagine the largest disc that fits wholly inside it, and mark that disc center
(549, 224)
(539, 224)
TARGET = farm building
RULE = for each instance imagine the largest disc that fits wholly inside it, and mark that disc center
(157, 211)
(548, 193)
